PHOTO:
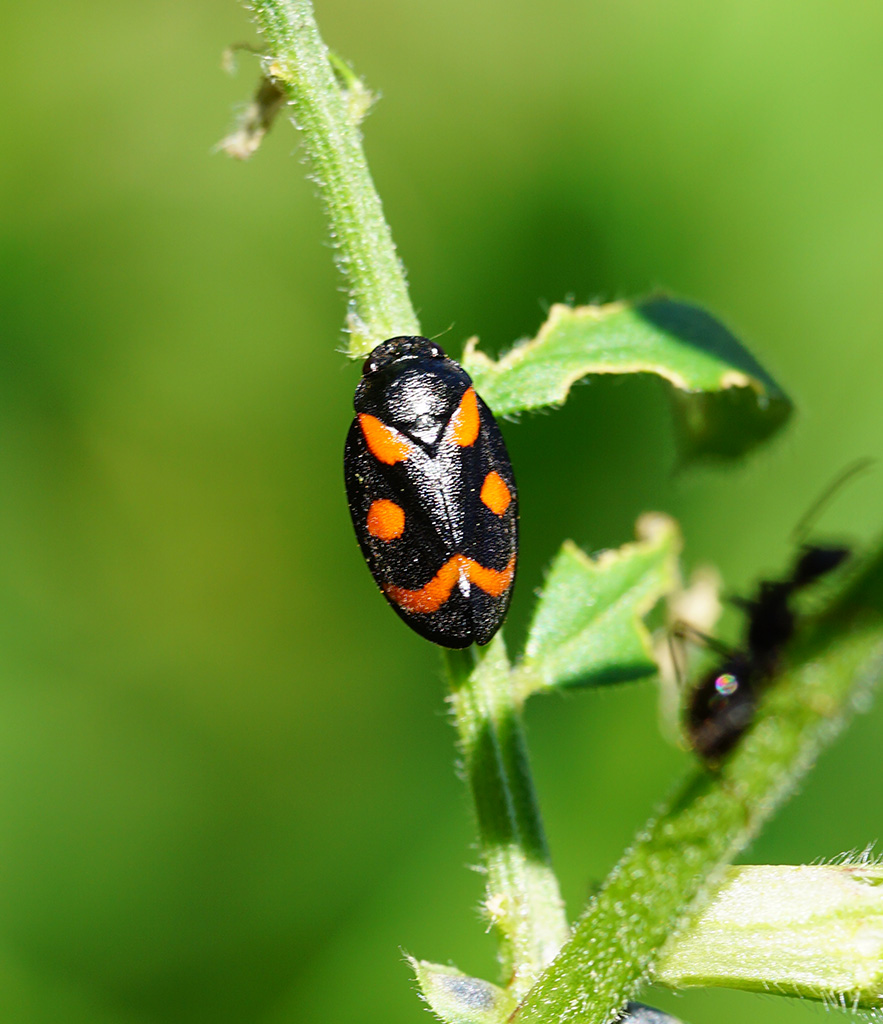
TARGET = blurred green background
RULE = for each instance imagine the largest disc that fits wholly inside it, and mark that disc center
(226, 782)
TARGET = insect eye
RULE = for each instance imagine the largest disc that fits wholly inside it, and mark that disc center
(435, 352)
(369, 366)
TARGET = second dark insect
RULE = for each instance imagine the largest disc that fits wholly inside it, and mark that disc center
(721, 706)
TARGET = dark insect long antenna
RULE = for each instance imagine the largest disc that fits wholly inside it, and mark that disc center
(809, 518)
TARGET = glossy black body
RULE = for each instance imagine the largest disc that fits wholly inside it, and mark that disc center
(721, 706)
(410, 385)
(716, 718)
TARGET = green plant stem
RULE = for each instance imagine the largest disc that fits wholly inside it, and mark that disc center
(523, 899)
(678, 859)
(298, 61)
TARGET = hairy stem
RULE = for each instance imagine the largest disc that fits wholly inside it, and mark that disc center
(298, 61)
(523, 900)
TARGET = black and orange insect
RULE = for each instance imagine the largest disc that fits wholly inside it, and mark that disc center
(432, 494)
(722, 705)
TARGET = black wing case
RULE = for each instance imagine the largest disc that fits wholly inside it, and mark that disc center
(491, 530)
(412, 570)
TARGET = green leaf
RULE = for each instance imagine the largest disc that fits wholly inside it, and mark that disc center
(456, 998)
(724, 402)
(814, 932)
(588, 628)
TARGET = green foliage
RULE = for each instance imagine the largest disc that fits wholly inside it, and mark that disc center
(723, 400)
(456, 998)
(588, 627)
(809, 931)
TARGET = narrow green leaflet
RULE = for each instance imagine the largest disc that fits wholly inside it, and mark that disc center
(456, 998)
(588, 628)
(811, 931)
(724, 402)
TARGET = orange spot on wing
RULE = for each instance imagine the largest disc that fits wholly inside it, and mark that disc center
(386, 520)
(495, 494)
(431, 597)
(491, 581)
(465, 421)
(385, 443)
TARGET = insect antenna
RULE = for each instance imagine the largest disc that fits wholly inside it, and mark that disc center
(810, 517)
(685, 631)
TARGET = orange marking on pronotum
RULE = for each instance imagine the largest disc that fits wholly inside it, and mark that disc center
(385, 444)
(386, 520)
(431, 597)
(495, 494)
(465, 421)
